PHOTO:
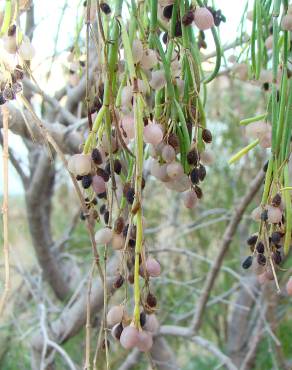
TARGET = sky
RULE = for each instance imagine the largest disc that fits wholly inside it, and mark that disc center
(47, 15)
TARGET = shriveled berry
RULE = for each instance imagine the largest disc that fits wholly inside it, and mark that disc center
(151, 300)
(117, 166)
(173, 140)
(188, 18)
(207, 136)
(277, 258)
(178, 30)
(167, 11)
(192, 157)
(202, 172)
(119, 281)
(119, 225)
(260, 247)
(276, 201)
(102, 173)
(195, 179)
(247, 262)
(11, 30)
(130, 195)
(102, 195)
(79, 178)
(86, 181)
(96, 156)
(104, 7)
(18, 72)
(261, 259)
(199, 192)
(252, 239)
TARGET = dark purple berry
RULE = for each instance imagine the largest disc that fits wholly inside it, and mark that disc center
(202, 172)
(118, 282)
(117, 331)
(96, 156)
(252, 239)
(277, 258)
(167, 11)
(261, 259)
(142, 319)
(117, 166)
(192, 157)
(151, 300)
(102, 209)
(276, 237)
(207, 136)
(264, 215)
(260, 247)
(195, 179)
(105, 8)
(199, 192)
(106, 217)
(103, 173)
(130, 195)
(276, 201)
(247, 263)
(188, 18)
(86, 181)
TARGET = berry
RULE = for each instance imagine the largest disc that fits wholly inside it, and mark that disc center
(192, 157)
(130, 195)
(202, 172)
(86, 181)
(129, 337)
(96, 156)
(117, 331)
(252, 239)
(277, 258)
(103, 236)
(276, 201)
(188, 18)
(2, 99)
(117, 166)
(104, 7)
(102, 209)
(106, 217)
(151, 300)
(115, 315)
(260, 247)
(276, 237)
(103, 173)
(195, 176)
(264, 215)
(118, 282)
(207, 136)
(142, 319)
(247, 262)
(199, 192)
(261, 259)
(119, 225)
(167, 11)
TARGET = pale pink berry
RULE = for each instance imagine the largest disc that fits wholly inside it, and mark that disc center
(115, 315)
(103, 236)
(152, 267)
(266, 76)
(207, 158)
(149, 59)
(118, 242)
(256, 214)
(203, 19)
(141, 86)
(274, 214)
(128, 125)
(9, 44)
(269, 275)
(137, 51)
(241, 71)
(179, 184)
(159, 171)
(158, 80)
(190, 199)
(98, 184)
(153, 134)
(126, 96)
(256, 129)
(286, 22)
(262, 278)
(175, 170)
(106, 145)
(289, 287)
(80, 164)
(152, 324)
(269, 42)
(168, 153)
(26, 50)
(145, 341)
(265, 140)
(129, 337)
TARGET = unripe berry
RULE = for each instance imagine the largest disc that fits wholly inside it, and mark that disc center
(115, 315)
(203, 19)
(152, 267)
(153, 134)
(129, 337)
(103, 236)
(98, 184)
(145, 341)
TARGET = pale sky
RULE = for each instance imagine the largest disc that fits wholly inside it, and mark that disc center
(47, 15)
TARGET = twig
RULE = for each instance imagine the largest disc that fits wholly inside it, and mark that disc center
(5, 293)
(226, 241)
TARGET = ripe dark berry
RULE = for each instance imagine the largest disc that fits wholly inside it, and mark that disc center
(130, 195)
(247, 262)
(167, 11)
(107, 168)
(178, 30)
(102, 195)
(94, 201)
(86, 181)
(261, 259)
(11, 30)
(117, 331)
(202, 172)
(266, 86)
(276, 201)
(199, 192)
(188, 18)
(195, 179)
(142, 319)
(105, 8)
(264, 215)
(165, 37)
(96, 156)
(207, 136)
(102, 209)
(102, 173)
(106, 217)
(82, 216)
(252, 239)
(2, 99)
(118, 282)
(276, 237)
(132, 243)
(260, 247)
(192, 157)
(173, 140)
(151, 300)
(117, 166)
(277, 257)
(79, 177)
(119, 225)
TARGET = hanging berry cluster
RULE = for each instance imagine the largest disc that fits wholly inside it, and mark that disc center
(148, 109)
